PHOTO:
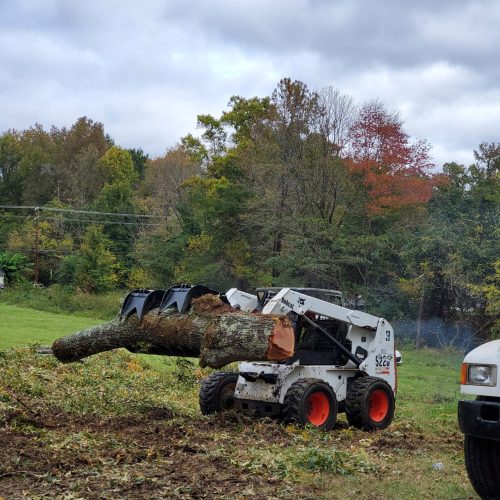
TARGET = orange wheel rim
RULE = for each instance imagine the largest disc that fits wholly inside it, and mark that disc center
(378, 405)
(318, 408)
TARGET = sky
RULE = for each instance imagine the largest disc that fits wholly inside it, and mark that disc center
(146, 69)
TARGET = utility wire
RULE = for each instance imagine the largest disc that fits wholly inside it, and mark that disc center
(70, 210)
(37, 219)
(62, 251)
(85, 221)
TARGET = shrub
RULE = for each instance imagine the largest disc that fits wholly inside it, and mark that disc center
(14, 265)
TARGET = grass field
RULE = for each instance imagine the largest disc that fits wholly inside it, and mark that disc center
(119, 426)
(20, 326)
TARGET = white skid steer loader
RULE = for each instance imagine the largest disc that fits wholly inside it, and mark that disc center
(344, 361)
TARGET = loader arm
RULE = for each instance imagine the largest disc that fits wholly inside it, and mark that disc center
(242, 300)
(289, 300)
(372, 337)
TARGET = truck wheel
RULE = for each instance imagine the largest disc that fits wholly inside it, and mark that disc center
(369, 404)
(217, 392)
(482, 460)
(310, 401)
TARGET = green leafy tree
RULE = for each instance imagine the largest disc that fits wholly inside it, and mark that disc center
(15, 266)
(78, 150)
(48, 232)
(139, 159)
(118, 194)
(67, 271)
(10, 175)
(215, 250)
(458, 243)
(490, 290)
(37, 166)
(96, 269)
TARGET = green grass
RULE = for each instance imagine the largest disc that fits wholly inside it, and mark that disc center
(20, 326)
(429, 387)
(122, 425)
(63, 300)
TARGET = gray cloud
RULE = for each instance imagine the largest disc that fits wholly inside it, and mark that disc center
(146, 69)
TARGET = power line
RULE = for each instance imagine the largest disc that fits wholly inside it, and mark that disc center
(37, 211)
(84, 221)
(87, 221)
(62, 251)
(12, 216)
(39, 250)
(71, 210)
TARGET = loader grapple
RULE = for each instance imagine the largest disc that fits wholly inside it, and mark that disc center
(182, 296)
(142, 300)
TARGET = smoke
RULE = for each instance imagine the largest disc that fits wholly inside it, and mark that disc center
(434, 332)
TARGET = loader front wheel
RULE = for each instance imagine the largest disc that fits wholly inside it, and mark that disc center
(217, 392)
(311, 401)
(369, 404)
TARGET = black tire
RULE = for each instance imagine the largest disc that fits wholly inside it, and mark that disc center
(369, 404)
(482, 460)
(217, 392)
(310, 401)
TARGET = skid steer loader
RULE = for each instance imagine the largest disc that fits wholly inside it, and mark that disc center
(344, 359)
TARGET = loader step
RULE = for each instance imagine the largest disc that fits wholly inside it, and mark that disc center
(257, 408)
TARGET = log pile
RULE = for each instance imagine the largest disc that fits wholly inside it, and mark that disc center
(210, 330)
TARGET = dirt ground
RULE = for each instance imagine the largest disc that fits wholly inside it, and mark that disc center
(119, 427)
(159, 455)
(150, 457)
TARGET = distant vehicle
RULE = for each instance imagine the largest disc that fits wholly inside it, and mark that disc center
(479, 419)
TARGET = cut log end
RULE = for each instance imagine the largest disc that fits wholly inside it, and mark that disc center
(281, 343)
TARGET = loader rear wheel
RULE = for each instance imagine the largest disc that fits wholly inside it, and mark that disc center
(310, 401)
(217, 392)
(369, 404)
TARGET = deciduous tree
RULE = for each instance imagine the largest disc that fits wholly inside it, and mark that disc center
(396, 172)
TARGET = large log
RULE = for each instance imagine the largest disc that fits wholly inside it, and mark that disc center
(211, 330)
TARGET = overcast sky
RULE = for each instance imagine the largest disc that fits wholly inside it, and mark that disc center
(146, 69)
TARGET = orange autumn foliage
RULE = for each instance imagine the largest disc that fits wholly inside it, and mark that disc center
(396, 173)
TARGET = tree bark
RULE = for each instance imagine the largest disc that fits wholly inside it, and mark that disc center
(211, 330)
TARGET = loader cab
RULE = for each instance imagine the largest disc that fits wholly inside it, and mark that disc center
(311, 346)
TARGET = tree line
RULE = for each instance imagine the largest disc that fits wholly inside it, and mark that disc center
(301, 187)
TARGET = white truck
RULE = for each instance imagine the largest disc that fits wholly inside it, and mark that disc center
(479, 419)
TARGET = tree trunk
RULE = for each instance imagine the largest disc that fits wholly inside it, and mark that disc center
(418, 335)
(211, 330)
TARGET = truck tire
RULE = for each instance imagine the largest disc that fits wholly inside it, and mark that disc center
(482, 460)
(217, 392)
(310, 401)
(369, 404)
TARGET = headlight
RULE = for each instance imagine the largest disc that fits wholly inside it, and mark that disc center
(479, 375)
